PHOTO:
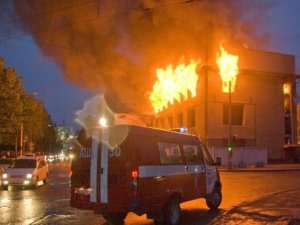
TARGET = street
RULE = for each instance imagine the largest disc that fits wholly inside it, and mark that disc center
(248, 198)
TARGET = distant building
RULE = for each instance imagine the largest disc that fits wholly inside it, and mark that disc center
(262, 107)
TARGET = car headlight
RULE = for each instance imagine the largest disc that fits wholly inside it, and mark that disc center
(4, 176)
(71, 156)
(29, 176)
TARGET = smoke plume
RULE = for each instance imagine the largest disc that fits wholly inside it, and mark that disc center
(114, 47)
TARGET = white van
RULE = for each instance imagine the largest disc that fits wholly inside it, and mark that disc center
(136, 169)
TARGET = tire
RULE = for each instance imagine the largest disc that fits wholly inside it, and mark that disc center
(114, 218)
(5, 187)
(35, 185)
(172, 212)
(45, 180)
(213, 200)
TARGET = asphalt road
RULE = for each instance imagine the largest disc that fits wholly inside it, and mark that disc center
(248, 198)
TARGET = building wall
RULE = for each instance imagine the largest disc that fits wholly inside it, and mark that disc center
(259, 91)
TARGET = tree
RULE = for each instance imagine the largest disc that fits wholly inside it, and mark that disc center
(11, 88)
(20, 109)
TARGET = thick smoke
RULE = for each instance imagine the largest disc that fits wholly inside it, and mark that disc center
(114, 47)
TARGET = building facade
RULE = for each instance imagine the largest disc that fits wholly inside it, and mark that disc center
(259, 114)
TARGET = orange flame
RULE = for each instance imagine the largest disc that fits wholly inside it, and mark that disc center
(228, 67)
(172, 83)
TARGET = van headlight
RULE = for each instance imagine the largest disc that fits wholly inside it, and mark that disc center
(4, 176)
(28, 175)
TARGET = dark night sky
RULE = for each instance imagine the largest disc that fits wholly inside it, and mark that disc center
(42, 76)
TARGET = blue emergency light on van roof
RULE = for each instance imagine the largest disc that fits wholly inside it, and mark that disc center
(183, 130)
(180, 130)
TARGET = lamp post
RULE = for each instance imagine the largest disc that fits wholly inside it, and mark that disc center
(21, 138)
(228, 66)
(229, 127)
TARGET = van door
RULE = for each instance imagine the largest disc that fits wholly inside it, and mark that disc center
(111, 168)
(195, 166)
(99, 166)
(172, 175)
(210, 170)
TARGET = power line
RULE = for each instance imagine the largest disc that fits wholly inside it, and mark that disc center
(47, 45)
(98, 17)
(49, 12)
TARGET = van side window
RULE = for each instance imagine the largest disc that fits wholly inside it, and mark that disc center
(146, 149)
(169, 153)
(207, 157)
(192, 154)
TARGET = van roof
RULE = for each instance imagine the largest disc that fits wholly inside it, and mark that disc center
(150, 131)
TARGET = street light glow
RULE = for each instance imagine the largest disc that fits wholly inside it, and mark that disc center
(102, 122)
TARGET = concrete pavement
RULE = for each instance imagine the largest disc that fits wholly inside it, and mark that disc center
(265, 168)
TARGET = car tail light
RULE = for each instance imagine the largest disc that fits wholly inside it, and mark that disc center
(135, 176)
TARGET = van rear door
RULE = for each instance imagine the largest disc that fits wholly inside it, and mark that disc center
(111, 168)
(97, 171)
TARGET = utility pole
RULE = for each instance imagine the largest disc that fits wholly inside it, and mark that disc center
(229, 128)
(21, 139)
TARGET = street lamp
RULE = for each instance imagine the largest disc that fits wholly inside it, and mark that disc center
(229, 127)
(228, 69)
(102, 122)
(21, 138)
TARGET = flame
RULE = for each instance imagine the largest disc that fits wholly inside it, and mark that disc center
(228, 67)
(172, 83)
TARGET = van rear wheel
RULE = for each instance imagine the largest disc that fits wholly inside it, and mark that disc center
(114, 218)
(172, 212)
(214, 199)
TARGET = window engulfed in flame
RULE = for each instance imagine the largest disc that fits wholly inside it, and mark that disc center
(286, 88)
(228, 68)
(172, 83)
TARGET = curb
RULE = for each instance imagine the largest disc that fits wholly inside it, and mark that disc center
(263, 169)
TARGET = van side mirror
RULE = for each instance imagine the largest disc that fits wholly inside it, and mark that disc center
(218, 161)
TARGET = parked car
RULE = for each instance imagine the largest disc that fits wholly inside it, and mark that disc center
(1, 172)
(26, 171)
(50, 158)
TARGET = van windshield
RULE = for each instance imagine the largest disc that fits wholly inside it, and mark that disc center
(23, 163)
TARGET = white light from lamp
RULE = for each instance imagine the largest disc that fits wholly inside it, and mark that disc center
(102, 122)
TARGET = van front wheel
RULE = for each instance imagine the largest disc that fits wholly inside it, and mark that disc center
(114, 218)
(214, 199)
(172, 212)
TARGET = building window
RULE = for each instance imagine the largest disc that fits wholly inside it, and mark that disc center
(162, 122)
(237, 114)
(191, 118)
(180, 119)
(170, 120)
(157, 122)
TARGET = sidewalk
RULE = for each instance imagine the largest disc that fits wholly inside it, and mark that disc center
(266, 168)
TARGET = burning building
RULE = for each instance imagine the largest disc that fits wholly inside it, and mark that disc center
(111, 47)
(251, 112)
